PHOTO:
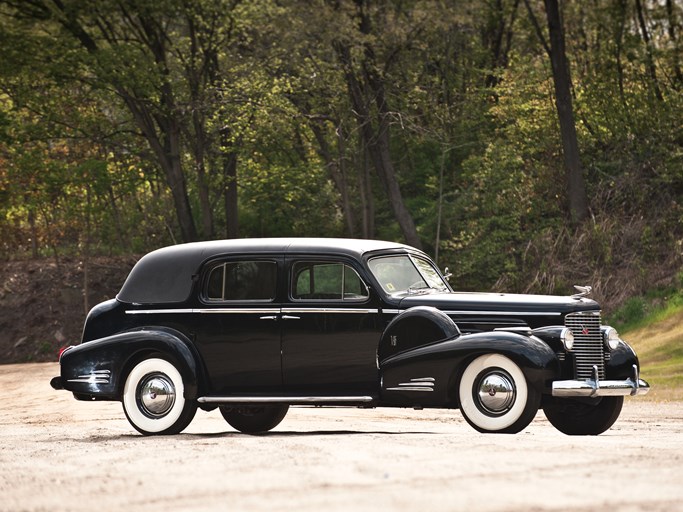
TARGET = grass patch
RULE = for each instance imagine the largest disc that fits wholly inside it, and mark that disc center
(653, 325)
(658, 341)
(656, 306)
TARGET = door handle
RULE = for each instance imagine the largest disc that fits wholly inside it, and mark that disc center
(269, 317)
(288, 317)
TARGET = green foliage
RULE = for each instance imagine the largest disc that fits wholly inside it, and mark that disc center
(641, 311)
(114, 116)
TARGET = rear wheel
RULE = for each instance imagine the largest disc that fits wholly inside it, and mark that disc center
(583, 418)
(153, 398)
(254, 419)
(495, 397)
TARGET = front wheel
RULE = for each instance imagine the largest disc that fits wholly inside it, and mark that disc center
(495, 396)
(153, 398)
(583, 418)
(254, 419)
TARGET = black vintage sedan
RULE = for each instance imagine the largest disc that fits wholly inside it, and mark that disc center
(252, 327)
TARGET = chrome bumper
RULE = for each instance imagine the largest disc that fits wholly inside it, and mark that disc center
(594, 387)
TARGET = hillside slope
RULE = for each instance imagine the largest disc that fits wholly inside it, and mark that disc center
(42, 306)
(660, 350)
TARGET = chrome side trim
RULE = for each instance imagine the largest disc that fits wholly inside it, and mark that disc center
(504, 313)
(236, 311)
(292, 400)
(329, 310)
(527, 331)
(594, 387)
(418, 384)
(259, 311)
(158, 311)
(94, 377)
(499, 313)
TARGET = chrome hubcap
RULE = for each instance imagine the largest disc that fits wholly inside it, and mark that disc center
(496, 393)
(156, 395)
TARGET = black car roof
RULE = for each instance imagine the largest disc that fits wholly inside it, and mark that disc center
(166, 275)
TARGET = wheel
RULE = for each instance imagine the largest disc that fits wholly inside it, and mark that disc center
(254, 419)
(583, 418)
(153, 398)
(495, 397)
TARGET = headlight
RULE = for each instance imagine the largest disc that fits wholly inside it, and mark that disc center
(611, 337)
(567, 337)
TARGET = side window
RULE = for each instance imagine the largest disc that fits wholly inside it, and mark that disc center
(242, 280)
(326, 280)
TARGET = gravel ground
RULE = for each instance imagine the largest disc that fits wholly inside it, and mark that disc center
(59, 454)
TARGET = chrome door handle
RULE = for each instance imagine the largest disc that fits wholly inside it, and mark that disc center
(269, 317)
(288, 317)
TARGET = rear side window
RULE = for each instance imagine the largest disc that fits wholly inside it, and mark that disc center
(326, 281)
(242, 280)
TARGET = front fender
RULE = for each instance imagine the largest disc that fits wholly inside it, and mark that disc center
(621, 361)
(415, 327)
(443, 363)
(98, 369)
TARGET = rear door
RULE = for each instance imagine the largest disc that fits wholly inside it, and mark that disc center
(239, 330)
(330, 329)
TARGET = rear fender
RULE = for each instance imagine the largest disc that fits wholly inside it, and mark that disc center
(98, 368)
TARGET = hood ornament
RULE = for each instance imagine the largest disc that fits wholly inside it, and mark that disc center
(584, 291)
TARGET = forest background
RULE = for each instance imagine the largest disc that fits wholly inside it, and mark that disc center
(528, 145)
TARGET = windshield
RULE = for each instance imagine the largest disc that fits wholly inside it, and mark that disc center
(406, 274)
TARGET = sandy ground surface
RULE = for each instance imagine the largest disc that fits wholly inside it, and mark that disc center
(59, 454)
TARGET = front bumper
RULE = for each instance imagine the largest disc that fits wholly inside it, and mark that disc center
(56, 383)
(594, 387)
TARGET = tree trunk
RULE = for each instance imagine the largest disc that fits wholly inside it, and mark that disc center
(673, 35)
(166, 128)
(199, 147)
(648, 49)
(497, 36)
(379, 154)
(175, 178)
(576, 187)
(229, 159)
(376, 140)
(336, 170)
(365, 188)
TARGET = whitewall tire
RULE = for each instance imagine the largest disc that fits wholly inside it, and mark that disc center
(153, 398)
(495, 396)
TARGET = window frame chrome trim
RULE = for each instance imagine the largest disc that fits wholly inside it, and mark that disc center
(332, 261)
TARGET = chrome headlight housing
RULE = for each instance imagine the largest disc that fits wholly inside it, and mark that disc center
(610, 337)
(567, 337)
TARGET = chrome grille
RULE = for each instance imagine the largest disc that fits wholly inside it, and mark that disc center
(588, 347)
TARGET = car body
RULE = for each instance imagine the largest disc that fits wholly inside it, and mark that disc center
(254, 326)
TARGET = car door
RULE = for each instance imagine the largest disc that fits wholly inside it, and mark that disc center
(239, 330)
(330, 329)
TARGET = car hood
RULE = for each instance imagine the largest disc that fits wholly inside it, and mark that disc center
(500, 303)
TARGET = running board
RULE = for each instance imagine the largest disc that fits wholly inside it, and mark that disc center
(291, 400)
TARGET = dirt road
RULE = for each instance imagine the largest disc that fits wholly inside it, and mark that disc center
(59, 454)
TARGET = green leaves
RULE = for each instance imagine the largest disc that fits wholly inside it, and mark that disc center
(143, 107)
